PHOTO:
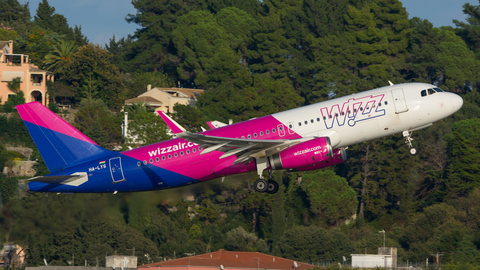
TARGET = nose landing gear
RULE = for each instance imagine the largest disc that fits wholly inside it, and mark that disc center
(408, 140)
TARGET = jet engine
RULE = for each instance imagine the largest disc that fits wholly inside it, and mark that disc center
(339, 156)
(302, 154)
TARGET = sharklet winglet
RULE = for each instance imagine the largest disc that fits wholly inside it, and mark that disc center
(174, 126)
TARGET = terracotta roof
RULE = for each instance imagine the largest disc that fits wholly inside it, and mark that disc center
(233, 259)
(193, 93)
(143, 99)
(35, 69)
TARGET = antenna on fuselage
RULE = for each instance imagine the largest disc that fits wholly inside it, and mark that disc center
(390, 82)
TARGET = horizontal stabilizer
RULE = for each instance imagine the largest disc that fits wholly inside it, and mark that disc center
(174, 126)
(75, 179)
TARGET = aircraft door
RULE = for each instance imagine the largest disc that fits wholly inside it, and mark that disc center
(116, 170)
(281, 130)
(399, 100)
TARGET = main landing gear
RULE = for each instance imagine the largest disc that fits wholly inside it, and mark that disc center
(262, 185)
(408, 140)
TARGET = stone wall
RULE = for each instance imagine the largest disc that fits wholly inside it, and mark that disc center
(21, 168)
(22, 150)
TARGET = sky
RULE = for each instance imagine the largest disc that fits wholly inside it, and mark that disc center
(102, 19)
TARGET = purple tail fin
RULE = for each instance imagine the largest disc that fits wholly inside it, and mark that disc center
(59, 143)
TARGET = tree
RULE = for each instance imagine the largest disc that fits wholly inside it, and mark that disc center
(146, 128)
(46, 18)
(464, 149)
(239, 239)
(96, 121)
(313, 244)
(15, 15)
(91, 67)
(330, 196)
(61, 54)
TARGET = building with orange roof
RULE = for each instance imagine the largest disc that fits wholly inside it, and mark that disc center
(222, 259)
(33, 80)
(164, 99)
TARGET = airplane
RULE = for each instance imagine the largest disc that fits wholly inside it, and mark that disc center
(302, 139)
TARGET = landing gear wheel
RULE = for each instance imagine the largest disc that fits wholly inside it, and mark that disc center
(413, 151)
(261, 185)
(272, 187)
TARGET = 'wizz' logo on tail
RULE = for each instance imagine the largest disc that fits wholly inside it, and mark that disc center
(355, 110)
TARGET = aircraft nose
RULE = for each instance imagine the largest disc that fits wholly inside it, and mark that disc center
(457, 102)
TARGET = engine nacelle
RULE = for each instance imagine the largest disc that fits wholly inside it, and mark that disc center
(339, 156)
(302, 154)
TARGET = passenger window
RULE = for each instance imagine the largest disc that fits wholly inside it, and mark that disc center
(379, 104)
(274, 130)
(188, 152)
(268, 131)
(299, 124)
(330, 116)
(157, 159)
(318, 119)
(169, 156)
(336, 115)
(243, 137)
(261, 132)
(311, 121)
(306, 122)
(249, 136)
(139, 164)
(255, 135)
(163, 158)
(176, 155)
(144, 162)
(354, 110)
(324, 118)
(290, 126)
(200, 148)
(361, 109)
(181, 153)
(343, 113)
(424, 93)
(386, 103)
(194, 150)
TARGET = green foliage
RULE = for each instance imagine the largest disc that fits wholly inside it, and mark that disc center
(13, 101)
(137, 82)
(239, 239)
(52, 106)
(330, 196)
(3, 155)
(14, 84)
(8, 189)
(464, 148)
(94, 76)
(61, 54)
(146, 128)
(8, 34)
(96, 121)
(313, 244)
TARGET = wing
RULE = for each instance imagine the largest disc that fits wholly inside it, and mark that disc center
(244, 149)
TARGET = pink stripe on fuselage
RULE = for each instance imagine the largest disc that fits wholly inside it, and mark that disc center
(202, 167)
(260, 126)
(37, 114)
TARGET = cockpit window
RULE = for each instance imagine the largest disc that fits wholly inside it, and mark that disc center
(424, 93)
(438, 89)
(431, 91)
